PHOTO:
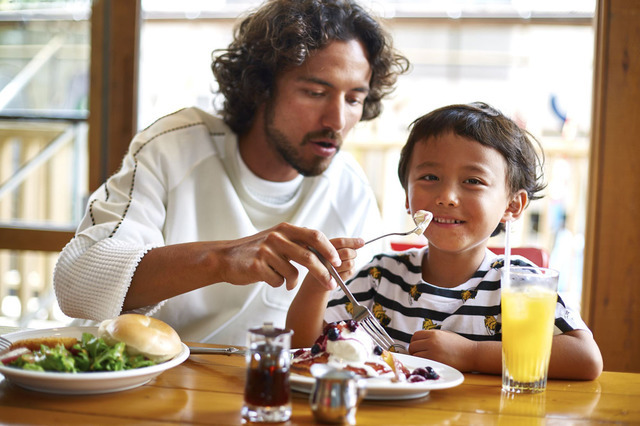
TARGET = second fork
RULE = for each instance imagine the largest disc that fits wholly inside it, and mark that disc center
(361, 313)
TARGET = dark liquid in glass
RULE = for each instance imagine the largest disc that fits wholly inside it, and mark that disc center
(267, 379)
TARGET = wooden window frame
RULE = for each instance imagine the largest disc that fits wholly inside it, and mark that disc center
(611, 297)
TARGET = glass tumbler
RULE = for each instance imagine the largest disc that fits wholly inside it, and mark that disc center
(529, 296)
(267, 393)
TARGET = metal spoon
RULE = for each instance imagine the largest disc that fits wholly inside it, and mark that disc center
(422, 219)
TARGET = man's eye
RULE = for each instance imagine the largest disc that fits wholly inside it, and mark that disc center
(355, 101)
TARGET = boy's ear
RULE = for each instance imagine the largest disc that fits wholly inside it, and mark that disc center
(516, 206)
(406, 203)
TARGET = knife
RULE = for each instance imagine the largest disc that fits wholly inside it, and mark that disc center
(222, 351)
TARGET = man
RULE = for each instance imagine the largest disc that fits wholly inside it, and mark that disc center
(209, 217)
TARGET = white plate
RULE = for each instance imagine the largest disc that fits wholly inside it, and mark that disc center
(82, 383)
(385, 389)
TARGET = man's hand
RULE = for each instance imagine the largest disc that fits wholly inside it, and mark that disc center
(268, 255)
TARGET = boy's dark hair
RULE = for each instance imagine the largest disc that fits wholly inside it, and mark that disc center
(282, 34)
(488, 126)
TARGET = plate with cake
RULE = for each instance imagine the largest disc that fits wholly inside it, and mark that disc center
(385, 375)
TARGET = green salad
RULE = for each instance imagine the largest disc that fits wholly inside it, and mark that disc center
(91, 353)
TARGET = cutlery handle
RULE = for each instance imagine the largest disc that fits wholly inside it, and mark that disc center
(223, 351)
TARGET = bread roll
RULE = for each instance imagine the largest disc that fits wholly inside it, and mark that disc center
(141, 334)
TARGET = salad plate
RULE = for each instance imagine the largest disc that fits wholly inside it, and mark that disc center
(81, 383)
(384, 389)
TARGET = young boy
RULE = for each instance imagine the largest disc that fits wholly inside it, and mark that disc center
(474, 169)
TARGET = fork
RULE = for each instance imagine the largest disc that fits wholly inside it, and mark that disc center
(361, 313)
(422, 218)
(4, 344)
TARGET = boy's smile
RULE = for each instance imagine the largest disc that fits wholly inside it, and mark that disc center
(463, 183)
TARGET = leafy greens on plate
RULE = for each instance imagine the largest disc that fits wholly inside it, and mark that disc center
(89, 354)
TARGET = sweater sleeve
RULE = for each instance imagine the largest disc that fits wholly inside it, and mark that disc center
(91, 279)
(123, 221)
(125, 218)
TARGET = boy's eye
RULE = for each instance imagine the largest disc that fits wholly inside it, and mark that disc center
(474, 181)
(430, 177)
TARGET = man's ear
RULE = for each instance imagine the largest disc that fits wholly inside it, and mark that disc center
(516, 206)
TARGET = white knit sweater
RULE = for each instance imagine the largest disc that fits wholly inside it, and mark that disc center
(179, 183)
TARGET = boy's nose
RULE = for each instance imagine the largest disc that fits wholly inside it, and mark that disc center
(447, 197)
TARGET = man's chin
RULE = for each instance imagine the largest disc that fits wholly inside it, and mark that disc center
(314, 170)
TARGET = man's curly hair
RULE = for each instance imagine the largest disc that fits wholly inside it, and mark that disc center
(282, 34)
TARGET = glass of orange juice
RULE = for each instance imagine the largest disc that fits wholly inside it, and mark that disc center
(529, 297)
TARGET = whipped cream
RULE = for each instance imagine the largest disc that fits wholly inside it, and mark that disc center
(422, 219)
(353, 346)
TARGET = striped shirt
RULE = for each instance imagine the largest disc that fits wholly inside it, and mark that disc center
(391, 286)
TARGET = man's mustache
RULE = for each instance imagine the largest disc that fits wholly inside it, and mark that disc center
(323, 134)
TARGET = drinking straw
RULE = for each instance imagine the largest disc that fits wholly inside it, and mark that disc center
(507, 250)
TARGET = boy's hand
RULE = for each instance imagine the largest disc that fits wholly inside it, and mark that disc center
(445, 347)
(346, 248)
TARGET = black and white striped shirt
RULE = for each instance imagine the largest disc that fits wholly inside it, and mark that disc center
(391, 286)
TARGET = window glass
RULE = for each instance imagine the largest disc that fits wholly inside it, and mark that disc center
(44, 86)
(532, 60)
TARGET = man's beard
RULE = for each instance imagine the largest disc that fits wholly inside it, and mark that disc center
(313, 167)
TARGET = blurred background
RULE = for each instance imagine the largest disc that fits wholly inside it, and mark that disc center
(531, 59)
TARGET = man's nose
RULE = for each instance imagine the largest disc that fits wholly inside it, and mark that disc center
(334, 115)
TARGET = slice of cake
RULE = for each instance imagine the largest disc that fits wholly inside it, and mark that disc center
(346, 345)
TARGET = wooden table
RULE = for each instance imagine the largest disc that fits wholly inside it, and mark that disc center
(208, 389)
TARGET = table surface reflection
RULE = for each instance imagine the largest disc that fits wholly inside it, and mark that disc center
(208, 389)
